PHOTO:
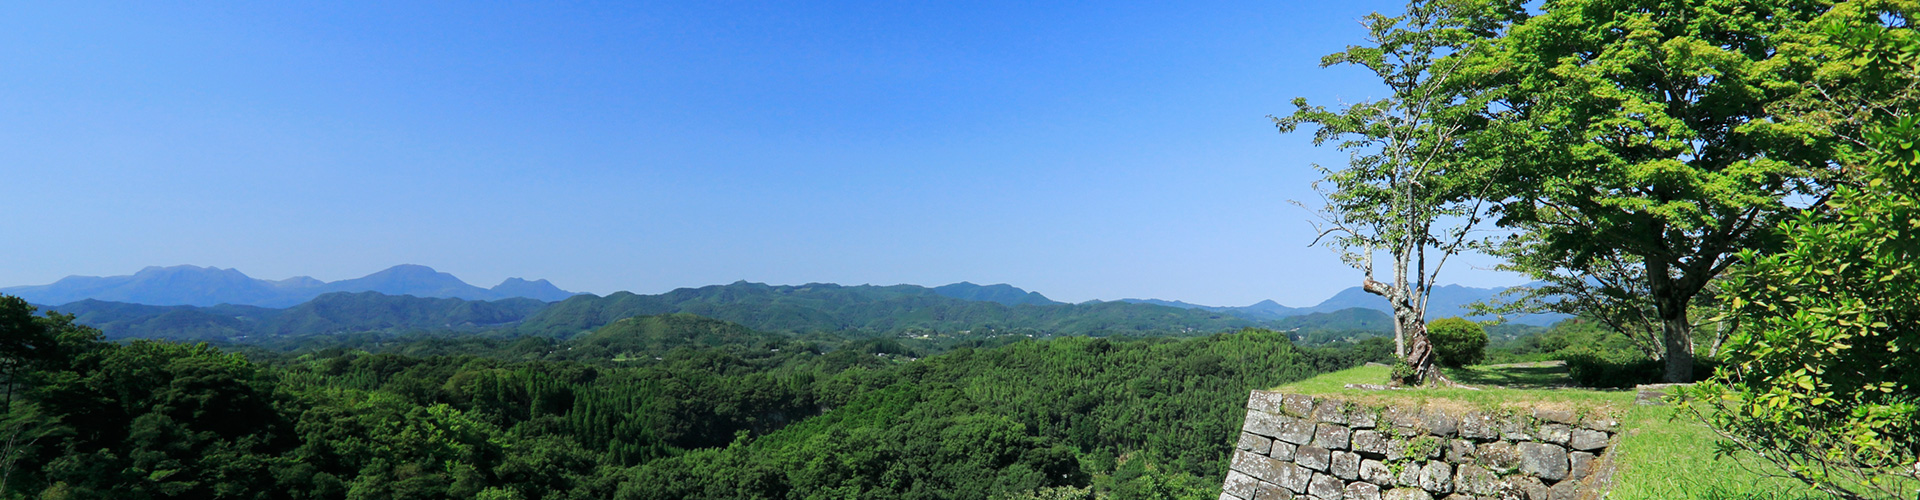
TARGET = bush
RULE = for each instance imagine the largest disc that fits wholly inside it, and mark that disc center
(1457, 342)
(1604, 368)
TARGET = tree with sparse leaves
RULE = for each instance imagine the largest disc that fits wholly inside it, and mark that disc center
(1407, 199)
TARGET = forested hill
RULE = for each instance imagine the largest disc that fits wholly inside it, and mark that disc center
(656, 407)
(948, 313)
(326, 314)
(874, 310)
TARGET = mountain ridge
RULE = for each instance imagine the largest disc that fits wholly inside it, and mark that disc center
(1446, 301)
(188, 285)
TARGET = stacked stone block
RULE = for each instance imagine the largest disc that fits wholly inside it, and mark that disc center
(1295, 447)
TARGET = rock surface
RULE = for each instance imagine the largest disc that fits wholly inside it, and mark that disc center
(1295, 447)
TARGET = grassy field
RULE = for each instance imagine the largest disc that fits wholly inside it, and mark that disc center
(1659, 457)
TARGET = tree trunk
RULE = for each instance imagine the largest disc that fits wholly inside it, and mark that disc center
(1420, 356)
(1670, 302)
(1399, 340)
(1679, 342)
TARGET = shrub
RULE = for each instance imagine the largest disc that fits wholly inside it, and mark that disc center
(1820, 376)
(1457, 342)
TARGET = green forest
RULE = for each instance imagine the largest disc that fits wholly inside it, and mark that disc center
(673, 406)
(1721, 193)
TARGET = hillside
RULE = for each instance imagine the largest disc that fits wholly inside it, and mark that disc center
(1446, 301)
(210, 286)
(330, 313)
(873, 310)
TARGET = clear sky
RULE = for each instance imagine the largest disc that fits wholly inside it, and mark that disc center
(1085, 150)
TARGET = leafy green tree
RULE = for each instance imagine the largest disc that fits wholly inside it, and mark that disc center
(1458, 342)
(1654, 146)
(1406, 194)
(1819, 377)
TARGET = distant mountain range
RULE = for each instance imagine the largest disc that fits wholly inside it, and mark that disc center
(854, 311)
(188, 302)
(338, 312)
(1446, 301)
(210, 286)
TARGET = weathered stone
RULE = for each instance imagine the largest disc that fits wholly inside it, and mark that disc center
(1262, 468)
(1298, 405)
(1271, 491)
(1326, 487)
(1527, 487)
(1361, 491)
(1396, 449)
(1409, 476)
(1332, 437)
(1599, 423)
(1313, 457)
(1582, 464)
(1239, 485)
(1400, 417)
(1346, 465)
(1457, 496)
(1475, 480)
(1426, 448)
(1281, 451)
(1370, 443)
(1293, 478)
(1653, 394)
(1440, 424)
(1225, 496)
(1254, 443)
(1478, 426)
(1331, 412)
(1296, 431)
(1498, 456)
(1459, 451)
(1556, 433)
(1587, 440)
(1566, 490)
(1437, 477)
(1561, 416)
(1264, 401)
(1406, 494)
(1545, 461)
(1376, 472)
(1514, 429)
(1265, 424)
(1362, 418)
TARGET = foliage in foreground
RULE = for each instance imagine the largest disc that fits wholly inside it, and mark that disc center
(1820, 377)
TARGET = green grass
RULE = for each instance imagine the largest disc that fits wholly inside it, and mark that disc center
(1489, 398)
(1661, 457)
(1658, 457)
(1537, 375)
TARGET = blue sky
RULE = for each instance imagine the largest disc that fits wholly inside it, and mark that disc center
(1096, 150)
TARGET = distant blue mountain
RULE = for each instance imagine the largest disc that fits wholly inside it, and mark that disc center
(1446, 301)
(1002, 293)
(208, 286)
(1262, 310)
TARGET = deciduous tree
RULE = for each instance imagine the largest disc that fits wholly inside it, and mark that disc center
(1407, 194)
(1652, 137)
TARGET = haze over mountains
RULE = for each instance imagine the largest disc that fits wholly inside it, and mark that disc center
(210, 286)
(1446, 301)
(205, 303)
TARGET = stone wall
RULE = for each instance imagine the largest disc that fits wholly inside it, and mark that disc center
(1294, 447)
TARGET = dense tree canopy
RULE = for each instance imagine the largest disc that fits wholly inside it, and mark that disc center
(1653, 145)
(671, 406)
